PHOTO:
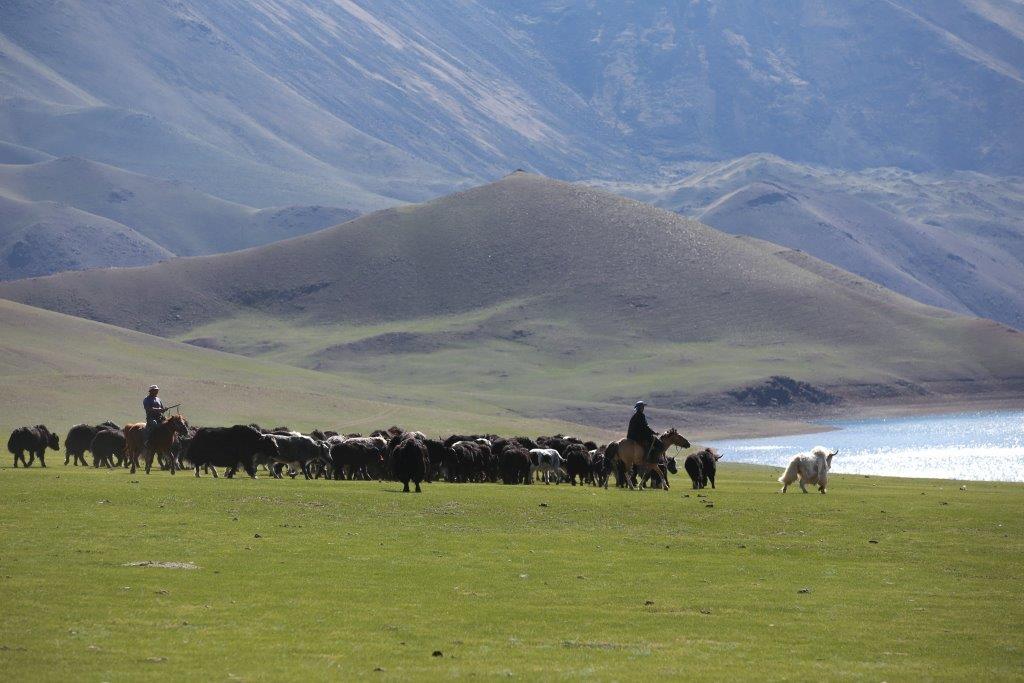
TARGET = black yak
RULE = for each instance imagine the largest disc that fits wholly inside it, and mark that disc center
(359, 456)
(578, 463)
(409, 461)
(107, 445)
(35, 440)
(230, 447)
(79, 440)
(701, 466)
(514, 464)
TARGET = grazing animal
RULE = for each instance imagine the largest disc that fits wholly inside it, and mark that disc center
(437, 452)
(161, 440)
(702, 466)
(409, 460)
(79, 440)
(107, 445)
(34, 440)
(630, 455)
(810, 468)
(356, 457)
(514, 464)
(578, 463)
(299, 452)
(600, 467)
(472, 461)
(548, 462)
(230, 447)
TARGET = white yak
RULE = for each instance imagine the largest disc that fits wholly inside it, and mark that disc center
(810, 468)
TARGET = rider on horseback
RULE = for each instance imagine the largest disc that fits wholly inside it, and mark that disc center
(641, 432)
(154, 412)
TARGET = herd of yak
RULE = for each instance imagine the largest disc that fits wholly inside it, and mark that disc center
(392, 453)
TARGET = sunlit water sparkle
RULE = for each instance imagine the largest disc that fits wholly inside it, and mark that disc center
(972, 446)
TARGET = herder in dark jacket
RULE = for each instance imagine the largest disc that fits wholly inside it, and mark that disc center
(639, 430)
(154, 408)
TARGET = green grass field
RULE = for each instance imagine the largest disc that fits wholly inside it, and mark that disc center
(882, 579)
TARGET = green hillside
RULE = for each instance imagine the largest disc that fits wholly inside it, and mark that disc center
(551, 299)
(61, 370)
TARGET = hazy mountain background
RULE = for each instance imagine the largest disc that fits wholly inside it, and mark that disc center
(550, 299)
(884, 136)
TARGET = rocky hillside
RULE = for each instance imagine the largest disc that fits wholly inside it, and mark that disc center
(508, 286)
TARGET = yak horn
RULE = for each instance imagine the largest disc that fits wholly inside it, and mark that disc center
(834, 453)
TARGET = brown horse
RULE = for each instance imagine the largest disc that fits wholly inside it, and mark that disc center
(631, 455)
(160, 441)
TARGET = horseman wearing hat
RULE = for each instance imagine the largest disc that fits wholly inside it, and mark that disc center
(639, 431)
(154, 412)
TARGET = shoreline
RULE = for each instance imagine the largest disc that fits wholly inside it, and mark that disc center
(778, 423)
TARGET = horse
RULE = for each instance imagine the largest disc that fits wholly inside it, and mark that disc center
(631, 455)
(160, 441)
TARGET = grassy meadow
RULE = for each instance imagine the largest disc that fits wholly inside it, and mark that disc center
(882, 579)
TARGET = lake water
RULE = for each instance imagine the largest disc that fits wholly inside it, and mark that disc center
(974, 446)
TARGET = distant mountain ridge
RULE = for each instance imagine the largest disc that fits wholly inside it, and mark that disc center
(361, 106)
(94, 208)
(505, 287)
(955, 242)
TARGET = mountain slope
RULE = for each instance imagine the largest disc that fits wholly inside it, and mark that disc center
(532, 287)
(955, 242)
(366, 104)
(62, 370)
(181, 219)
(369, 103)
(912, 83)
(39, 238)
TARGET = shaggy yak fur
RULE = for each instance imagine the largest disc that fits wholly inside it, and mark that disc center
(578, 463)
(108, 448)
(79, 440)
(409, 461)
(230, 447)
(702, 466)
(361, 456)
(514, 464)
(810, 468)
(35, 440)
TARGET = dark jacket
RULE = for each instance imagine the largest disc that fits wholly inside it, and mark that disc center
(639, 430)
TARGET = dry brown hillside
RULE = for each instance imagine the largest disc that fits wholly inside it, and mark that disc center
(556, 269)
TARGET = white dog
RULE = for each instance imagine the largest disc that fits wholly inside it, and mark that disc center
(810, 468)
